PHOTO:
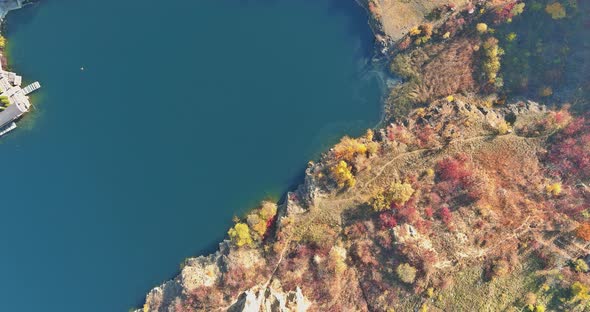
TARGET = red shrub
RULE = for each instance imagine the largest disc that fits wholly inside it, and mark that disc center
(425, 136)
(435, 199)
(365, 252)
(356, 230)
(446, 215)
(400, 134)
(504, 13)
(428, 212)
(562, 117)
(569, 156)
(453, 169)
(390, 133)
(404, 44)
(387, 219)
(423, 226)
(269, 224)
(408, 214)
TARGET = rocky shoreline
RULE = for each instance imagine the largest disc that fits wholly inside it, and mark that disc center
(312, 255)
(455, 204)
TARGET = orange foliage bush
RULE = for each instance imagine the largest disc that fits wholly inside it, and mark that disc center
(348, 148)
(583, 231)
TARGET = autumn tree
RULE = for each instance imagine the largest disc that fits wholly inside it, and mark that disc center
(342, 174)
(240, 235)
(260, 219)
(580, 266)
(583, 231)
(397, 193)
(553, 189)
(491, 63)
(579, 292)
(401, 192)
(348, 148)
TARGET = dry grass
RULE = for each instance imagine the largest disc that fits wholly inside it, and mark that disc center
(397, 17)
(432, 72)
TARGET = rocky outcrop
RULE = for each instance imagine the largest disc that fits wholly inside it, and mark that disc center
(271, 300)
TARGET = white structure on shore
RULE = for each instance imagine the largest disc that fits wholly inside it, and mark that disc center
(16, 102)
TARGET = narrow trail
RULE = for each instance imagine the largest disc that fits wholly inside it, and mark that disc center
(305, 220)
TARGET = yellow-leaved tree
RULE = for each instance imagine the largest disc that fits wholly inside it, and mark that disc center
(342, 174)
(240, 234)
(348, 148)
(398, 193)
(259, 219)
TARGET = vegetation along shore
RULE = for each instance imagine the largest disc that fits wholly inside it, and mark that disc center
(472, 195)
(475, 196)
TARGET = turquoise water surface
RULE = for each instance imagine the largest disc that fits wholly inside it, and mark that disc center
(186, 113)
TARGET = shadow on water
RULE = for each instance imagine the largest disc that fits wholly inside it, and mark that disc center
(24, 17)
(357, 27)
(358, 23)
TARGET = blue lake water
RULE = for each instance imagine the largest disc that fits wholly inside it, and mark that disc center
(186, 113)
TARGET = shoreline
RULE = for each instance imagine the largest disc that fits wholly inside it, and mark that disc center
(304, 184)
(281, 263)
(14, 98)
(386, 199)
